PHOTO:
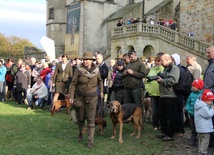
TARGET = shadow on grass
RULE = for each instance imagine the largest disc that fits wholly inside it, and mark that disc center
(37, 132)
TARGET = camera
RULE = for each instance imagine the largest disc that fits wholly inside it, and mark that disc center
(152, 78)
(160, 74)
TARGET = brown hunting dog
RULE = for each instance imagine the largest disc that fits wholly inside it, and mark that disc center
(148, 109)
(100, 121)
(61, 103)
(126, 112)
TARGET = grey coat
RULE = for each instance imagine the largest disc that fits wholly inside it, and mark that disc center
(166, 85)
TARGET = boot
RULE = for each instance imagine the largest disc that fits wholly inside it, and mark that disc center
(7, 95)
(91, 130)
(11, 95)
(80, 137)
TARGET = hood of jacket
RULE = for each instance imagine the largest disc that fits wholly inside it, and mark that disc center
(177, 58)
(199, 104)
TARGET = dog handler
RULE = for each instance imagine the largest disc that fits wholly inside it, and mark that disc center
(85, 81)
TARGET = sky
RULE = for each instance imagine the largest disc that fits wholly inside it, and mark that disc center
(23, 18)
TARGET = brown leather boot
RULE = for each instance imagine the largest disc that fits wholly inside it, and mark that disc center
(91, 130)
(80, 137)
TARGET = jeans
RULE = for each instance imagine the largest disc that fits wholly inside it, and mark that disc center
(2, 89)
(39, 102)
(203, 142)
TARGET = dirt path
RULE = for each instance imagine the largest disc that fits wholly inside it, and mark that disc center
(180, 146)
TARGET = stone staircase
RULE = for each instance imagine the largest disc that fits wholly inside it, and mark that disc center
(180, 40)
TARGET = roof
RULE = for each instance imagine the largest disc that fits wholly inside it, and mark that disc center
(124, 11)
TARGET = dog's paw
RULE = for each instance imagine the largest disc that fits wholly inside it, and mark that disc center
(120, 141)
(112, 137)
(132, 134)
(137, 137)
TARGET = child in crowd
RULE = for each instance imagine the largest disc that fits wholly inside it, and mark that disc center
(49, 83)
(204, 111)
(197, 89)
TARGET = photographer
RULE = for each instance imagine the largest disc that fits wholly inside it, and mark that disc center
(168, 98)
(152, 89)
(38, 94)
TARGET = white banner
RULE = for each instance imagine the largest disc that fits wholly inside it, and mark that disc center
(49, 47)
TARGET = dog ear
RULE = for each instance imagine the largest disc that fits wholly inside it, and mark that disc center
(110, 105)
(119, 107)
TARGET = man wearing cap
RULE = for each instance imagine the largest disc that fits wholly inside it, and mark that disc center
(133, 75)
(204, 111)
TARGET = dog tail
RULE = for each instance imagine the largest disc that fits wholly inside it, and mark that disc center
(53, 110)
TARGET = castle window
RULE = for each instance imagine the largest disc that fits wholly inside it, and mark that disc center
(110, 1)
(131, 1)
(51, 13)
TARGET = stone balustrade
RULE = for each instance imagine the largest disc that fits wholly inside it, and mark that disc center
(164, 33)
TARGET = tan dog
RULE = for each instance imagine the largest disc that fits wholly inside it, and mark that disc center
(148, 109)
(61, 103)
(100, 121)
(126, 112)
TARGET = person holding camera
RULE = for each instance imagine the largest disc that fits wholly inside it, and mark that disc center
(37, 94)
(168, 98)
(152, 89)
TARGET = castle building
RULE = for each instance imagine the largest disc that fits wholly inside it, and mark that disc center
(77, 26)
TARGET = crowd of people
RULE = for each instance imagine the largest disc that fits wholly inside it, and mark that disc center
(169, 23)
(124, 80)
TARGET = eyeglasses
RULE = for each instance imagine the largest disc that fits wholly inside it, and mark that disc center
(163, 60)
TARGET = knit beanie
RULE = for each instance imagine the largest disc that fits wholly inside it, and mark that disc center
(207, 95)
(198, 83)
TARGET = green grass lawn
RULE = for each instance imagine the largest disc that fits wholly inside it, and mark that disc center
(24, 132)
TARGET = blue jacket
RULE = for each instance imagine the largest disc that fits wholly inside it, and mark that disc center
(191, 102)
(203, 117)
(3, 71)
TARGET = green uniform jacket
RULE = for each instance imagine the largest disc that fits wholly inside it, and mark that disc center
(82, 77)
(133, 81)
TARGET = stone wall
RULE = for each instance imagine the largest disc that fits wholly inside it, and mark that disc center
(198, 16)
(93, 28)
(56, 28)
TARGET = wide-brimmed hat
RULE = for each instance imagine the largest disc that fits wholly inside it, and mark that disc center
(88, 55)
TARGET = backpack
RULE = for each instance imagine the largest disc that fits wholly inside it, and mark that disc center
(183, 87)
